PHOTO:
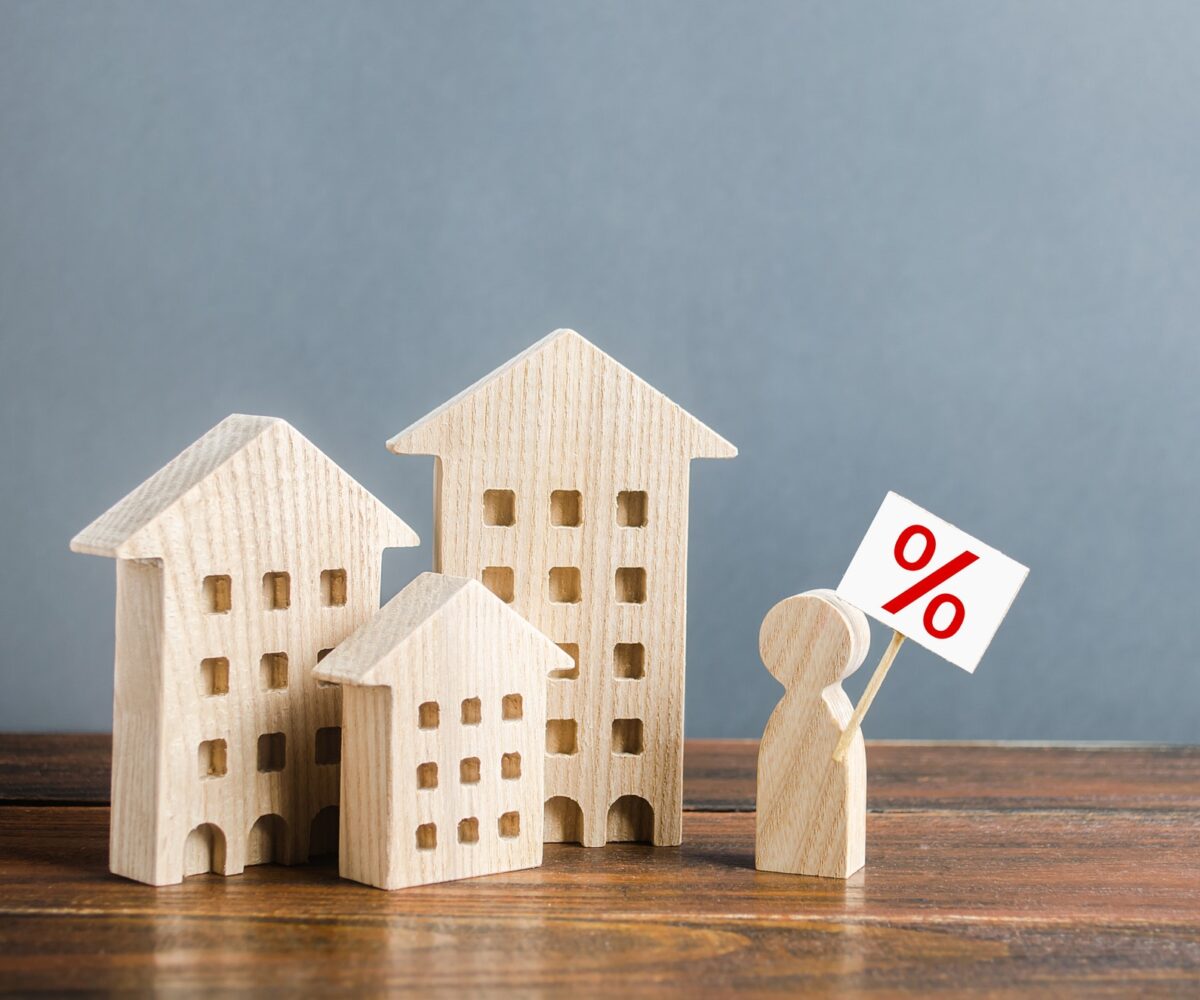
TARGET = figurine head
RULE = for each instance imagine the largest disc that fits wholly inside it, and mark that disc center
(813, 640)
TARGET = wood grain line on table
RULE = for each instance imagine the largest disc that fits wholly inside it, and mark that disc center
(636, 958)
(465, 921)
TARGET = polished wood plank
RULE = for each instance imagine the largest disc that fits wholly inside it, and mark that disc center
(991, 869)
(719, 774)
(55, 767)
(992, 901)
(980, 865)
(457, 956)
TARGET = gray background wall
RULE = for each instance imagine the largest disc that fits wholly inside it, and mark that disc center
(944, 248)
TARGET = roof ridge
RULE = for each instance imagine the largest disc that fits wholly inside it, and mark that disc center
(159, 491)
(479, 383)
(399, 445)
(415, 608)
(114, 532)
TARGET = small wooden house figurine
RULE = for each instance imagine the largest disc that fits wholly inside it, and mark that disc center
(239, 565)
(443, 722)
(562, 485)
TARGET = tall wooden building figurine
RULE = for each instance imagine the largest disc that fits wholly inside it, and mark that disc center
(444, 736)
(239, 564)
(562, 484)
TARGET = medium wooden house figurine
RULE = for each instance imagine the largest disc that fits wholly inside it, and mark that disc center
(239, 565)
(562, 484)
(443, 723)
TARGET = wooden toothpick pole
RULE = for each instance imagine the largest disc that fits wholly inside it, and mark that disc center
(868, 696)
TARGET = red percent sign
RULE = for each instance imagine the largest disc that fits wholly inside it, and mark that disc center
(927, 583)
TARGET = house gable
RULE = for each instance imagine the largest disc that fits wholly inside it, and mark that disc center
(128, 530)
(376, 654)
(554, 372)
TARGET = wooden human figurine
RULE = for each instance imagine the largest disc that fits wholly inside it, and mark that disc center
(812, 810)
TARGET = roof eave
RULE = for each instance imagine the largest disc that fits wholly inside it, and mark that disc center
(127, 548)
(408, 441)
(84, 547)
(710, 444)
(396, 534)
(367, 679)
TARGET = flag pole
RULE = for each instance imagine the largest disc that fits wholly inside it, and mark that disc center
(868, 696)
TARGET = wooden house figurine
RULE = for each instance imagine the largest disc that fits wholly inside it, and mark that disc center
(239, 565)
(443, 723)
(562, 485)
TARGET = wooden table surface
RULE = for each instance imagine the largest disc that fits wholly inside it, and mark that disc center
(997, 869)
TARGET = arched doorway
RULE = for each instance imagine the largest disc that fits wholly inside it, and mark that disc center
(204, 851)
(267, 841)
(323, 834)
(631, 818)
(564, 821)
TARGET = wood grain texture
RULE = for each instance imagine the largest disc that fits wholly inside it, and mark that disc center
(971, 865)
(443, 736)
(562, 484)
(64, 768)
(239, 564)
(454, 956)
(811, 802)
(71, 768)
(719, 776)
(957, 902)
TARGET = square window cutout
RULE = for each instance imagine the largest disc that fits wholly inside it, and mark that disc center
(499, 580)
(510, 825)
(468, 831)
(629, 660)
(627, 736)
(472, 711)
(272, 752)
(277, 591)
(218, 594)
(212, 758)
(566, 508)
(631, 508)
(426, 836)
(512, 707)
(468, 770)
(329, 745)
(572, 672)
(214, 676)
(427, 775)
(631, 585)
(561, 736)
(333, 588)
(510, 766)
(428, 715)
(273, 671)
(565, 585)
(499, 508)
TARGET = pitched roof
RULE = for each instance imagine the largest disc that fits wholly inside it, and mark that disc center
(426, 434)
(116, 532)
(357, 659)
